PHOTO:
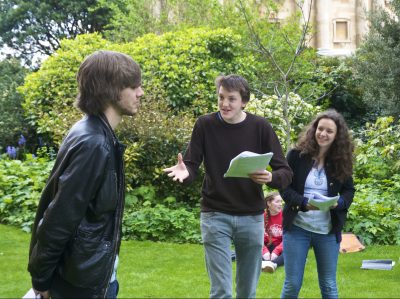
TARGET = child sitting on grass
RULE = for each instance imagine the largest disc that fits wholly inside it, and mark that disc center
(273, 246)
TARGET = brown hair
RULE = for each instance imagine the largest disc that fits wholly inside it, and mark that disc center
(339, 158)
(268, 198)
(101, 78)
(234, 83)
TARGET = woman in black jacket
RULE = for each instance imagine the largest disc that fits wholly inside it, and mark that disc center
(322, 164)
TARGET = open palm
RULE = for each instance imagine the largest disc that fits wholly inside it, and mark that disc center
(178, 172)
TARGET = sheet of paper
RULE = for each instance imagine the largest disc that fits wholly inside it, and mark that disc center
(247, 162)
(323, 202)
(30, 295)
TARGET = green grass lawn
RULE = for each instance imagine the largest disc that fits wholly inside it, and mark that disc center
(163, 270)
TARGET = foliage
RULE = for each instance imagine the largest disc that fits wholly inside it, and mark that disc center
(378, 60)
(270, 107)
(21, 183)
(165, 221)
(12, 123)
(374, 214)
(32, 27)
(333, 83)
(155, 137)
(281, 47)
(133, 18)
(180, 67)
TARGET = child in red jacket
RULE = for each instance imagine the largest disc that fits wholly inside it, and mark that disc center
(273, 246)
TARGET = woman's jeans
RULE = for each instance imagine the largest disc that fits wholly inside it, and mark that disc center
(296, 243)
(218, 231)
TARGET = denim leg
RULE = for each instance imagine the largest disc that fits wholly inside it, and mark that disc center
(248, 238)
(326, 251)
(296, 244)
(112, 290)
(216, 232)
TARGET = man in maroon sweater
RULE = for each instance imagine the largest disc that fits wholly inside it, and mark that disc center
(232, 208)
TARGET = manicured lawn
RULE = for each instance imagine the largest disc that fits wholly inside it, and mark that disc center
(161, 270)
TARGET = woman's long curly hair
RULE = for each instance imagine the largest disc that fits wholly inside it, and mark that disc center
(339, 158)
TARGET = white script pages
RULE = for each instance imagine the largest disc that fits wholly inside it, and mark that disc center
(247, 162)
(323, 202)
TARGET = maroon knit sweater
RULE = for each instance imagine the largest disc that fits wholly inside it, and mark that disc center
(216, 142)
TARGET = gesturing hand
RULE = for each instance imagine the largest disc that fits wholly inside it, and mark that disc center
(178, 172)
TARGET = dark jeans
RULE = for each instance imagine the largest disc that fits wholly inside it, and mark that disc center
(63, 289)
(112, 290)
(279, 259)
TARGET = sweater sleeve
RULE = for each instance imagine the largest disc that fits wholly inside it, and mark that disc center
(193, 156)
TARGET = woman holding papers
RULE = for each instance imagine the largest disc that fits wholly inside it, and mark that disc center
(322, 164)
(232, 207)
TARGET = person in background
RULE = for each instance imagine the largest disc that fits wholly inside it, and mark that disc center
(273, 246)
(232, 208)
(76, 234)
(322, 164)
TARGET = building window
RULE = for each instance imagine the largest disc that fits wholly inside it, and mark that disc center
(341, 31)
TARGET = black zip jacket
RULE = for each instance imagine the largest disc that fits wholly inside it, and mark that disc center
(77, 229)
(295, 201)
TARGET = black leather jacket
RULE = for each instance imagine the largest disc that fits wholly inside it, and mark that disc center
(77, 229)
(295, 201)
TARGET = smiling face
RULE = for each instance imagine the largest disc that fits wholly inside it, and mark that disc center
(325, 133)
(231, 106)
(275, 205)
(129, 101)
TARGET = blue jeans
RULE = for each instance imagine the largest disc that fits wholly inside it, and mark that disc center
(112, 290)
(296, 244)
(218, 231)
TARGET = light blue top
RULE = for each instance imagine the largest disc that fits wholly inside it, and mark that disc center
(315, 221)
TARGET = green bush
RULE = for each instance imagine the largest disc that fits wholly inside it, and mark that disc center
(21, 183)
(180, 67)
(12, 123)
(160, 137)
(300, 114)
(375, 212)
(165, 221)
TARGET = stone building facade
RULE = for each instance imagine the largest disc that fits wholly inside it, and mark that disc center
(339, 25)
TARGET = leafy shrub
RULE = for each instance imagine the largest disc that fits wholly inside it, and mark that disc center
(300, 114)
(12, 123)
(166, 221)
(21, 183)
(374, 214)
(161, 136)
(180, 67)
